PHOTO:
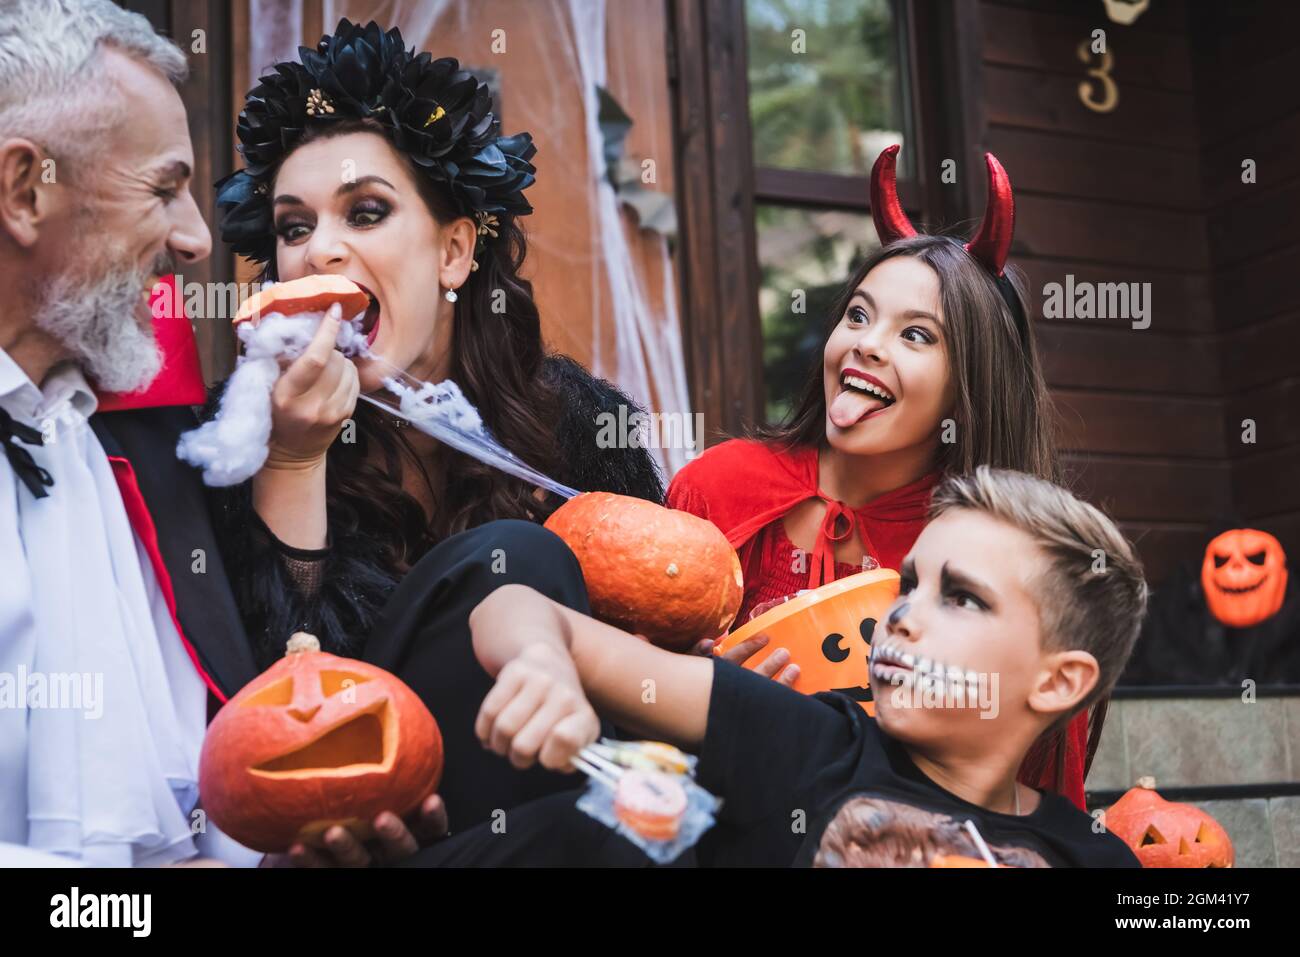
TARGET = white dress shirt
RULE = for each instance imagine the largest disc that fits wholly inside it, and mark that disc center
(102, 713)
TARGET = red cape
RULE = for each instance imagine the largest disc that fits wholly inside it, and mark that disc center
(181, 380)
(742, 486)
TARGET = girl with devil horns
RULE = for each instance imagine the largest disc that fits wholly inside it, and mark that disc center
(368, 161)
(928, 368)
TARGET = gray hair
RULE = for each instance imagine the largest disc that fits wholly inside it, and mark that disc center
(51, 84)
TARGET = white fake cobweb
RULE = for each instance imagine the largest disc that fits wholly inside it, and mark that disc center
(232, 446)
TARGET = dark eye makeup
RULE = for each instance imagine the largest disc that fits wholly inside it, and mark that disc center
(362, 215)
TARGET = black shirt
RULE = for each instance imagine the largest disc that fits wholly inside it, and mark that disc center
(813, 779)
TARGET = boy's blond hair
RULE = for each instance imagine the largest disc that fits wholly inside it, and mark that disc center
(1092, 595)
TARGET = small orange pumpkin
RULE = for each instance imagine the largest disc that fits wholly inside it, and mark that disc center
(1244, 577)
(663, 573)
(316, 740)
(306, 294)
(1164, 834)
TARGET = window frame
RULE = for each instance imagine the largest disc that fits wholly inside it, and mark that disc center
(719, 186)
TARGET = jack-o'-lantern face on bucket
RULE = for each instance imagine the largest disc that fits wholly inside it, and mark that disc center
(827, 632)
(314, 741)
(1244, 577)
(846, 656)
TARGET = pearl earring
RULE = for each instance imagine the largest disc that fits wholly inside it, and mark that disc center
(450, 295)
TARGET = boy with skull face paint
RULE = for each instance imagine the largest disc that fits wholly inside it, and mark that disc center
(812, 779)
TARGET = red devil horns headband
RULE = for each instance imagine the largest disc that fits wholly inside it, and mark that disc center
(992, 243)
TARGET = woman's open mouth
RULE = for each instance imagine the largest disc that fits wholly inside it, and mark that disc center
(861, 396)
(370, 319)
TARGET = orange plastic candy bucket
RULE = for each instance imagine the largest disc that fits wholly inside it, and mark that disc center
(827, 632)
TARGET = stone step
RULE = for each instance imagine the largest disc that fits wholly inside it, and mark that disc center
(1198, 742)
(1236, 757)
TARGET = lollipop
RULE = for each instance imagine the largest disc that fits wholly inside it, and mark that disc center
(651, 803)
(645, 790)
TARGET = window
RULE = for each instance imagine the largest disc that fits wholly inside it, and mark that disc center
(827, 93)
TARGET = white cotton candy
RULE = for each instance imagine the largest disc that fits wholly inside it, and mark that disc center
(231, 447)
(443, 403)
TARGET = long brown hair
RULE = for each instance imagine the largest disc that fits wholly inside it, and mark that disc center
(496, 359)
(1003, 414)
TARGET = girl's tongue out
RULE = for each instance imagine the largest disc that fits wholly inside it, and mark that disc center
(850, 406)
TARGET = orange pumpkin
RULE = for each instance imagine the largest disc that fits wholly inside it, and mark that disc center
(1164, 834)
(308, 294)
(1244, 577)
(659, 572)
(827, 632)
(316, 740)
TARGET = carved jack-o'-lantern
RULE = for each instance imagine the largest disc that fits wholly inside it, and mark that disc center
(1244, 577)
(316, 740)
(827, 632)
(1163, 834)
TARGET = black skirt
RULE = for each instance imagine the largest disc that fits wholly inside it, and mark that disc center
(422, 636)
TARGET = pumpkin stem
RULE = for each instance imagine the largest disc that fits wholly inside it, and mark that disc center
(1147, 782)
(301, 641)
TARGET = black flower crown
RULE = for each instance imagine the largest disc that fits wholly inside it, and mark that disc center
(435, 112)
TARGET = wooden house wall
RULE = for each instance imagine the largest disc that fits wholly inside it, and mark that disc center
(1120, 197)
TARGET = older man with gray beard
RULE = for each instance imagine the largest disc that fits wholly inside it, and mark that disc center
(119, 635)
(113, 636)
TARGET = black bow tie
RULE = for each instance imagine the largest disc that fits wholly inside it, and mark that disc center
(24, 466)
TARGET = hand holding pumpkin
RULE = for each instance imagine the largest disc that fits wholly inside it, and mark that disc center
(318, 744)
(395, 839)
(537, 711)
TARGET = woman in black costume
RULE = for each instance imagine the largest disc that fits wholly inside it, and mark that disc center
(366, 161)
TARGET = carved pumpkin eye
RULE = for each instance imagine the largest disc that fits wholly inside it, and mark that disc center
(832, 649)
(1256, 558)
(332, 682)
(1220, 560)
(277, 694)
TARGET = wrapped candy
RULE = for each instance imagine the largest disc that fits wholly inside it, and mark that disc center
(646, 791)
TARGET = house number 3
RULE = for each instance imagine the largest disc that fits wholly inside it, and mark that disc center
(1106, 98)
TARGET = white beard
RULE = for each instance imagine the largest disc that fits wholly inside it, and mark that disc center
(96, 321)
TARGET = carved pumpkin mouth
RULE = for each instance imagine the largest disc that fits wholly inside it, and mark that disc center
(357, 745)
(1243, 589)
